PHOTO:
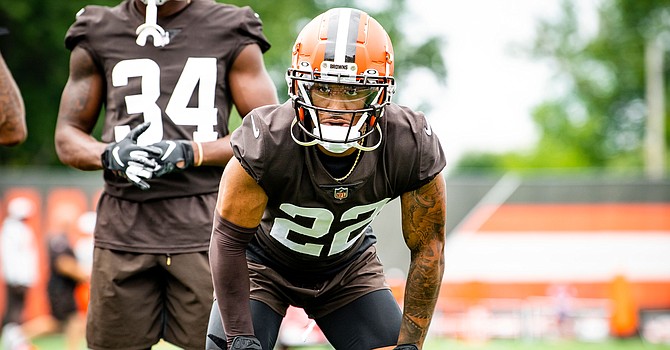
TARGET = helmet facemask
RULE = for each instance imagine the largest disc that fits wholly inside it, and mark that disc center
(360, 100)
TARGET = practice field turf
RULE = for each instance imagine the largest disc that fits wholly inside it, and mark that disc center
(56, 343)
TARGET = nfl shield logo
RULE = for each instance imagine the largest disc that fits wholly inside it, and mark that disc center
(341, 193)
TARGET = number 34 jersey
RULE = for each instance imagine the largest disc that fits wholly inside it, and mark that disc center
(180, 87)
(314, 224)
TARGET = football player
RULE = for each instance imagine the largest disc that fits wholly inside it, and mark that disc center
(292, 223)
(167, 73)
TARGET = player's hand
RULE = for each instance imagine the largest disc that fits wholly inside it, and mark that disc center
(220, 342)
(238, 343)
(128, 159)
(245, 343)
(175, 155)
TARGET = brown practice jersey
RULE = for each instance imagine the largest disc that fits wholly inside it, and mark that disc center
(314, 224)
(181, 88)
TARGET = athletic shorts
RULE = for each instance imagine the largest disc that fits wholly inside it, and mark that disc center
(62, 305)
(137, 299)
(364, 275)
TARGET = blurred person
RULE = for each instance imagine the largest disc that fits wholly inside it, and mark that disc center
(13, 129)
(83, 251)
(66, 274)
(19, 259)
(167, 73)
(83, 247)
(292, 223)
(562, 299)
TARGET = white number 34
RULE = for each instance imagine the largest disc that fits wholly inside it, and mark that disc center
(199, 72)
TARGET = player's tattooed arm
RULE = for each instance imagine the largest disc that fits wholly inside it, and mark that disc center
(423, 225)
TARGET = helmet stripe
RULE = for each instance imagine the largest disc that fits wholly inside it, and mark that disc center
(342, 34)
(329, 54)
(352, 36)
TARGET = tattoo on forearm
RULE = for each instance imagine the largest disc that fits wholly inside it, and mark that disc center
(424, 214)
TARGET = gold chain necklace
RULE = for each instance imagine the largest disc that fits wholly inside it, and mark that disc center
(358, 155)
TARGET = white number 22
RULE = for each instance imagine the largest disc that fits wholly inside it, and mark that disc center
(323, 219)
(199, 72)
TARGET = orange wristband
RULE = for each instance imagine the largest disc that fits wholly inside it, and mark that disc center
(198, 145)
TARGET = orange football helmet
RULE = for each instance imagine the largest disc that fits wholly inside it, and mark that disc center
(343, 50)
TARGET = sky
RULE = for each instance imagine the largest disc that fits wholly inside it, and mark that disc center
(490, 91)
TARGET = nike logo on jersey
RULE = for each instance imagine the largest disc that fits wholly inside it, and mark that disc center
(168, 151)
(257, 132)
(117, 158)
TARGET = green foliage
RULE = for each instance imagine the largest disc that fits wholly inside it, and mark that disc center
(282, 23)
(599, 119)
(35, 53)
(477, 162)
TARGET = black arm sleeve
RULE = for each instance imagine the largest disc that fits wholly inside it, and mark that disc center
(230, 275)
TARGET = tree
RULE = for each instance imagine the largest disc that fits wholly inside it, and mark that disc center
(36, 55)
(39, 61)
(599, 119)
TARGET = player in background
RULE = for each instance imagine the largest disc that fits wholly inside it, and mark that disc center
(292, 222)
(167, 73)
(13, 129)
(66, 275)
(19, 262)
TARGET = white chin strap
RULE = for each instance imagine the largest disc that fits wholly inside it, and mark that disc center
(338, 133)
(334, 147)
(151, 28)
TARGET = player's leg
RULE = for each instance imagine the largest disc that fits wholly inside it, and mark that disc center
(266, 323)
(189, 298)
(125, 308)
(216, 336)
(266, 326)
(368, 322)
(16, 297)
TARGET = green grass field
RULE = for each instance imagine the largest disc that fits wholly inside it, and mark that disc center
(56, 342)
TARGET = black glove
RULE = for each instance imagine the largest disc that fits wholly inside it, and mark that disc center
(406, 347)
(127, 159)
(175, 155)
(220, 342)
(242, 342)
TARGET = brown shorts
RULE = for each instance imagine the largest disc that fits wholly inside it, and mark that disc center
(364, 275)
(137, 299)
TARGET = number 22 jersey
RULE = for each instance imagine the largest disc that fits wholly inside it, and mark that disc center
(314, 224)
